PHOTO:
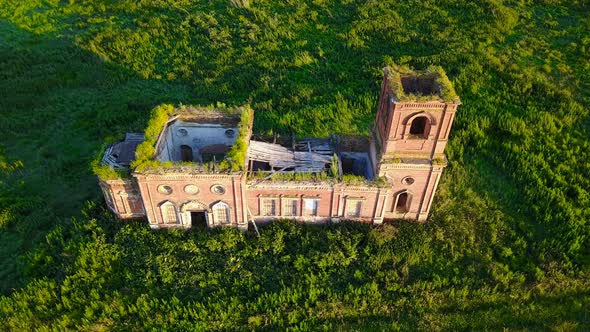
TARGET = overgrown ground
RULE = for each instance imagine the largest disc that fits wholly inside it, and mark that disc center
(508, 242)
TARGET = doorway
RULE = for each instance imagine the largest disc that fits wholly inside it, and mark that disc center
(199, 219)
(186, 153)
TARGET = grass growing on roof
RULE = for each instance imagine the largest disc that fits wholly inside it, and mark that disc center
(235, 159)
(107, 172)
(146, 151)
(446, 91)
(159, 117)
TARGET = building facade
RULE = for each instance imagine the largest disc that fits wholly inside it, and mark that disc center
(391, 174)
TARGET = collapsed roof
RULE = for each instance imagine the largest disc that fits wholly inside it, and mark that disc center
(121, 154)
(312, 155)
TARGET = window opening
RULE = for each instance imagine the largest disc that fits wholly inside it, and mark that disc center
(418, 126)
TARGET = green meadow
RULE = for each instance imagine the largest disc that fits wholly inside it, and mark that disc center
(507, 246)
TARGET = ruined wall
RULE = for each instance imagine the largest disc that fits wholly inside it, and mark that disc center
(192, 193)
(419, 182)
(194, 135)
(123, 197)
(372, 200)
(399, 140)
(290, 190)
(334, 201)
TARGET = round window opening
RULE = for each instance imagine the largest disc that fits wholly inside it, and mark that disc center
(218, 189)
(182, 132)
(408, 180)
(166, 190)
(230, 133)
(191, 189)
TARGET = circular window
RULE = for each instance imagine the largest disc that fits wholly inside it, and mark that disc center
(408, 180)
(182, 132)
(191, 189)
(230, 133)
(218, 189)
(166, 190)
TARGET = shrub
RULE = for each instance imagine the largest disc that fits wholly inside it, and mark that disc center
(236, 156)
(146, 150)
(107, 172)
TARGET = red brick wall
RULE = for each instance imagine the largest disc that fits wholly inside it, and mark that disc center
(382, 122)
(122, 196)
(440, 119)
(154, 198)
(394, 119)
(422, 190)
(332, 199)
(322, 193)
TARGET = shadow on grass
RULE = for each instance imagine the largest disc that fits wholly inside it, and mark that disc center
(58, 103)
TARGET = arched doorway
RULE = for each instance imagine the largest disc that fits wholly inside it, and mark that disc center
(186, 153)
(402, 202)
(195, 215)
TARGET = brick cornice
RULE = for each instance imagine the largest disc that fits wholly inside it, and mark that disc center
(183, 176)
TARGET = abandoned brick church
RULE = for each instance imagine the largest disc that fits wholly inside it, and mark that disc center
(203, 166)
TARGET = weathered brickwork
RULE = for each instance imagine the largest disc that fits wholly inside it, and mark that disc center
(191, 193)
(123, 198)
(406, 149)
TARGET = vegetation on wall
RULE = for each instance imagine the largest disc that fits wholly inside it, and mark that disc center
(160, 115)
(508, 239)
(378, 181)
(445, 89)
(292, 176)
(146, 151)
(235, 159)
(104, 171)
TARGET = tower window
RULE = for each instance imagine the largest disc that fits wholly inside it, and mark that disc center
(419, 126)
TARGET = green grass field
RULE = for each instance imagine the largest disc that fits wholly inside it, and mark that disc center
(508, 242)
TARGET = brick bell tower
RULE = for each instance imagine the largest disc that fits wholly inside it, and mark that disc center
(416, 112)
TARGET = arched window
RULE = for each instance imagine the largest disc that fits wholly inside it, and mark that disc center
(419, 126)
(169, 215)
(402, 202)
(186, 153)
(221, 213)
